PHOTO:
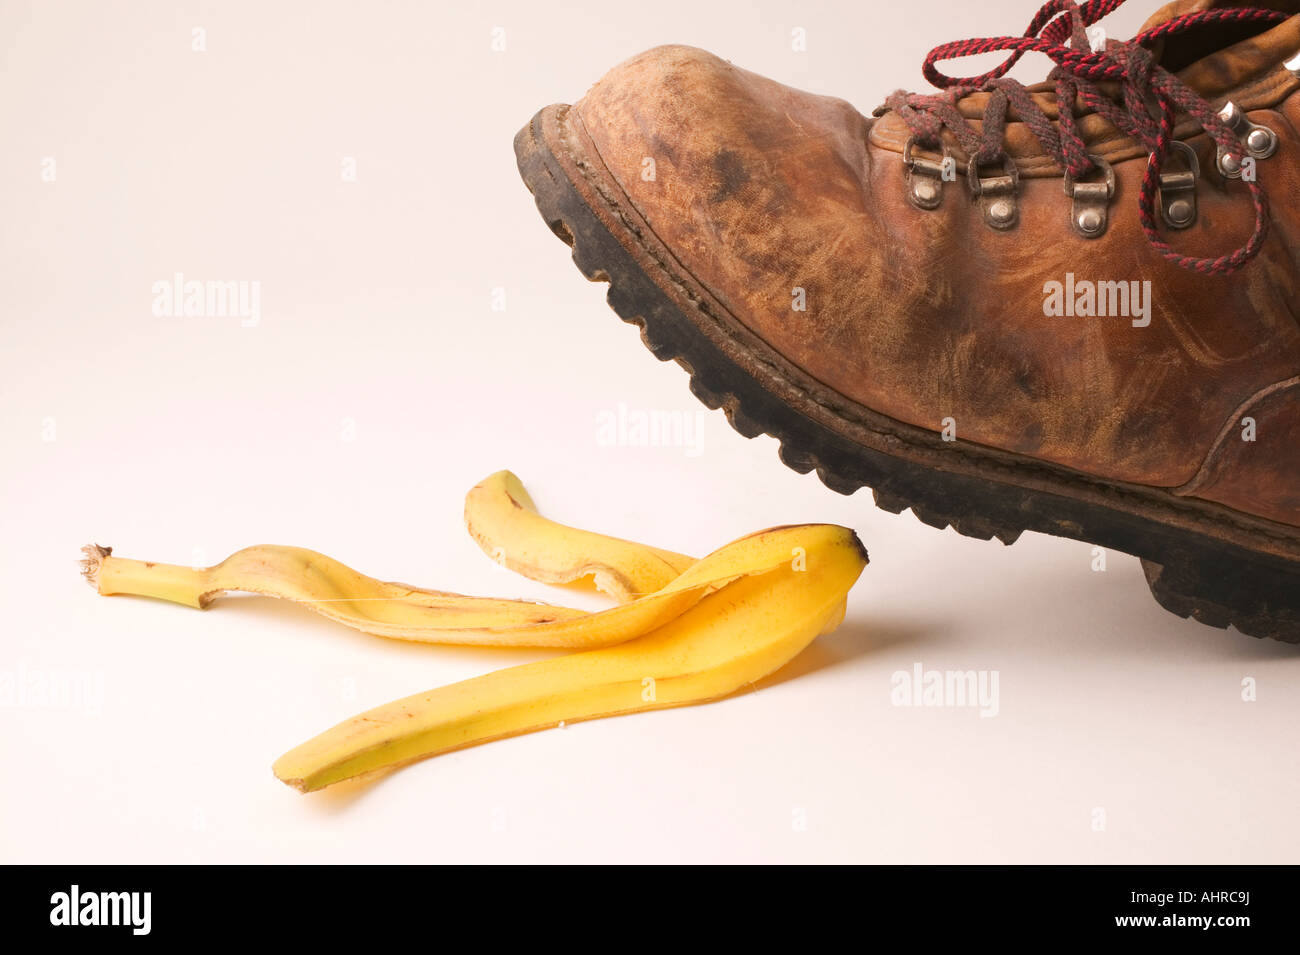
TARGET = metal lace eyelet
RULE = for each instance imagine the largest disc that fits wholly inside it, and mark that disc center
(1261, 142)
(1090, 215)
(997, 195)
(925, 177)
(1178, 189)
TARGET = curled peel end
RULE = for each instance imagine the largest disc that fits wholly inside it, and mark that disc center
(90, 564)
(291, 776)
(516, 491)
(507, 484)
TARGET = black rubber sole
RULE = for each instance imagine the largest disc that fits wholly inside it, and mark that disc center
(1191, 574)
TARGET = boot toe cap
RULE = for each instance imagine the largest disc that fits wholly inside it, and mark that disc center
(740, 176)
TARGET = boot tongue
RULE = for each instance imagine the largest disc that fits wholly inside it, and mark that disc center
(1176, 9)
(1179, 7)
(1177, 53)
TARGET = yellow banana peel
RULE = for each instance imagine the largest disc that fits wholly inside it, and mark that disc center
(337, 591)
(728, 640)
(685, 631)
(501, 517)
(328, 587)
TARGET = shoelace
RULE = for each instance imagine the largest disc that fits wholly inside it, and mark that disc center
(1152, 98)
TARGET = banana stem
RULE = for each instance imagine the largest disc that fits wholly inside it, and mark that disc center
(119, 575)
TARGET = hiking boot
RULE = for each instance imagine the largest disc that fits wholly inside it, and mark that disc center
(1067, 308)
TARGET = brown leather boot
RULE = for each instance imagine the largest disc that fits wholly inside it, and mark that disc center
(1069, 308)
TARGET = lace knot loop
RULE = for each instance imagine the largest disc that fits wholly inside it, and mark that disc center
(1150, 100)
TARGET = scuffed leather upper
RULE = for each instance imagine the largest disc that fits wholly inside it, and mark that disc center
(760, 190)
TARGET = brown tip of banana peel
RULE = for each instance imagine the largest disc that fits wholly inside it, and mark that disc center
(862, 548)
(90, 564)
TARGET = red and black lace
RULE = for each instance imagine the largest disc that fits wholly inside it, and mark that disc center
(1151, 99)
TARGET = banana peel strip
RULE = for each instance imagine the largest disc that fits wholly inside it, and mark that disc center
(502, 519)
(340, 593)
(685, 631)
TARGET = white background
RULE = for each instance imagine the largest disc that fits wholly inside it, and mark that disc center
(175, 439)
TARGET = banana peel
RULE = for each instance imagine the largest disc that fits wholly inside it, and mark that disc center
(337, 591)
(684, 631)
(728, 640)
(331, 589)
(502, 519)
